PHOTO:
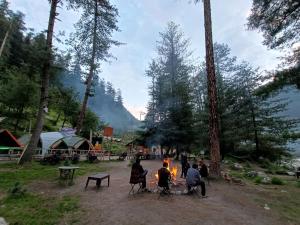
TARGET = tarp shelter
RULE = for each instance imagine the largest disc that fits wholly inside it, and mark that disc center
(78, 143)
(46, 141)
(57, 140)
(8, 141)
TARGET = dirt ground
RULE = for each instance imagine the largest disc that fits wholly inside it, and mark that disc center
(226, 203)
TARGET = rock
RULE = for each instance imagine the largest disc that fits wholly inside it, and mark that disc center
(237, 166)
(261, 174)
(252, 174)
(290, 173)
(2, 221)
(237, 181)
(266, 180)
(266, 207)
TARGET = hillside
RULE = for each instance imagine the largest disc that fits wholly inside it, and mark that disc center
(105, 102)
(292, 95)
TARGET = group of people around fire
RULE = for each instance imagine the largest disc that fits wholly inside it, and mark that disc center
(193, 175)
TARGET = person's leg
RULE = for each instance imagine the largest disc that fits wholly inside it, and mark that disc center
(203, 191)
(182, 170)
(144, 182)
(188, 187)
(185, 172)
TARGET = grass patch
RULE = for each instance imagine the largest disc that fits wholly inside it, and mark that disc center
(10, 173)
(236, 174)
(36, 210)
(285, 204)
(258, 180)
(277, 181)
(298, 184)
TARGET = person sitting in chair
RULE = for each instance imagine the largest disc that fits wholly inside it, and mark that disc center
(203, 169)
(193, 179)
(164, 176)
(138, 174)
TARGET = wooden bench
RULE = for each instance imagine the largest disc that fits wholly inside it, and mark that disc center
(98, 178)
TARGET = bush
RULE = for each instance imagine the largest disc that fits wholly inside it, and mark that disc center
(277, 181)
(17, 191)
(258, 180)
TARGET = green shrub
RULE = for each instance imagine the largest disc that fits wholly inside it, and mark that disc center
(277, 181)
(258, 180)
(67, 162)
(17, 191)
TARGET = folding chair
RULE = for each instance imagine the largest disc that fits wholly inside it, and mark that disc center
(132, 188)
(196, 190)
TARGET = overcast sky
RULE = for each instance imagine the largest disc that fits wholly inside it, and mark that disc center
(141, 21)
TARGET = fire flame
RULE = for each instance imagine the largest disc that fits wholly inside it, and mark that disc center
(173, 170)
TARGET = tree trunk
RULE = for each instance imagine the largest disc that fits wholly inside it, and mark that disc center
(57, 118)
(19, 115)
(255, 130)
(90, 75)
(212, 93)
(29, 151)
(5, 39)
(63, 124)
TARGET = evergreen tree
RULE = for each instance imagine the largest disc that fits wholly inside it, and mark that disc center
(278, 20)
(92, 41)
(170, 118)
(119, 98)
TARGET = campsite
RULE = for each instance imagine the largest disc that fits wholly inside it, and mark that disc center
(161, 112)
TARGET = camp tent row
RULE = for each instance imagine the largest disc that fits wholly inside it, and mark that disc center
(57, 140)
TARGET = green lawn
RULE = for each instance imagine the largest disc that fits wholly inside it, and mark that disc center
(39, 209)
(10, 173)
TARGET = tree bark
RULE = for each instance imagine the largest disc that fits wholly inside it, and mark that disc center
(5, 39)
(90, 75)
(212, 94)
(29, 151)
(19, 115)
(255, 130)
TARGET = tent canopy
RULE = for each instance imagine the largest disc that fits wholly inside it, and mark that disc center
(57, 140)
(8, 140)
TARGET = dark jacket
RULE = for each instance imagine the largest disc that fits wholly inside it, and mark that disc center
(204, 171)
(136, 174)
(164, 176)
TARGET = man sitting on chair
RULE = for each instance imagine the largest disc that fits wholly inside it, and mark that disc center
(138, 174)
(164, 176)
(193, 179)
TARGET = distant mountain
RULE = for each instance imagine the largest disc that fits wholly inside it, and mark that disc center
(107, 103)
(292, 95)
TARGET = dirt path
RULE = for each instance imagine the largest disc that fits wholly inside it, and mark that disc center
(226, 204)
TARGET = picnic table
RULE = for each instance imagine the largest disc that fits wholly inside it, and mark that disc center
(98, 178)
(67, 172)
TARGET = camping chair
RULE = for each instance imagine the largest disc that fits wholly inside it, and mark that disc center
(196, 190)
(135, 179)
(163, 191)
(132, 191)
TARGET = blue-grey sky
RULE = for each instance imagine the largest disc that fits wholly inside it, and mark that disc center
(141, 21)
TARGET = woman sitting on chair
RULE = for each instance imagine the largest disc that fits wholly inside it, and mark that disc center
(138, 174)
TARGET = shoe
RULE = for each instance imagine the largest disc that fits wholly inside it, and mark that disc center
(204, 196)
